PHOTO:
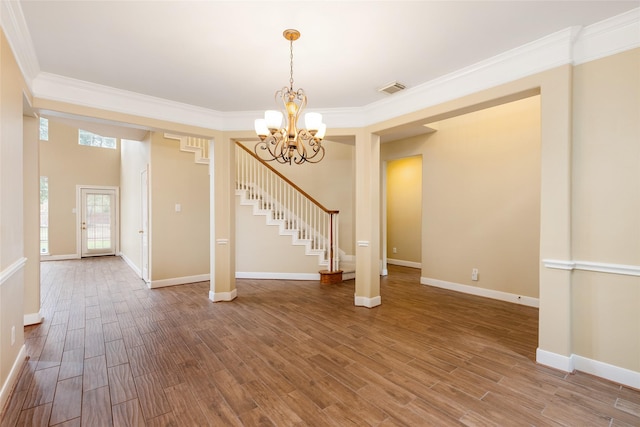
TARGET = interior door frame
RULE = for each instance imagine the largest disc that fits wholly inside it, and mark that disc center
(78, 211)
(145, 274)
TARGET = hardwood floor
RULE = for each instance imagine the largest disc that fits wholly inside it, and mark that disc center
(112, 352)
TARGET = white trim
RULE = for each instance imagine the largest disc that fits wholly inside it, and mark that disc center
(12, 269)
(32, 318)
(12, 378)
(17, 32)
(600, 369)
(178, 281)
(537, 56)
(58, 257)
(608, 37)
(604, 370)
(403, 263)
(482, 292)
(276, 276)
(600, 267)
(65, 89)
(558, 264)
(223, 296)
(131, 264)
(367, 302)
(554, 360)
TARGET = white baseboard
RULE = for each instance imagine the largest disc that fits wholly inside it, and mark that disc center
(276, 276)
(554, 360)
(223, 296)
(482, 292)
(178, 281)
(59, 257)
(130, 264)
(32, 318)
(403, 263)
(604, 370)
(12, 378)
(367, 302)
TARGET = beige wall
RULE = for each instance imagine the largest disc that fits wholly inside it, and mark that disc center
(481, 197)
(404, 208)
(31, 219)
(68, 164)
(606, 208)
(11, 217)
(261, 249)
(179, 240)
(135, 156)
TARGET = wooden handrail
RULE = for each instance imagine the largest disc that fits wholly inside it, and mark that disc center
(287, 180)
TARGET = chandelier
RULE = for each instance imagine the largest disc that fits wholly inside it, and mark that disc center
(289, 144)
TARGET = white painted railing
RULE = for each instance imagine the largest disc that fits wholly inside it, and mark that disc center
(198, 146)
(300, 214)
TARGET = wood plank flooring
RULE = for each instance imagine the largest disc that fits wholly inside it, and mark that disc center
(111, 352)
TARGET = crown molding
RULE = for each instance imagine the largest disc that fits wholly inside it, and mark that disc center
(573, 45)
(64, 89)
(543, 54)
(608, 37)
(17, 33)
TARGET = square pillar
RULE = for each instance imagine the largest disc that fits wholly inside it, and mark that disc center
(222, 165)
(367, 211)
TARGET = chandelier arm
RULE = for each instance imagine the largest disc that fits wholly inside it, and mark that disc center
(273, 146)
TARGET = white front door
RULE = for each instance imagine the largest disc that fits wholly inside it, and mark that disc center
(98, 221)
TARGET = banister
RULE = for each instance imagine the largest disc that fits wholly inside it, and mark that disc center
(287, 180)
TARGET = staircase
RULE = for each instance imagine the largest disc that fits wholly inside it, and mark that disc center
(295, 212)
(284, 205)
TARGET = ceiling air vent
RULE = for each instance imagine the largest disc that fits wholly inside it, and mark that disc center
(392, 88)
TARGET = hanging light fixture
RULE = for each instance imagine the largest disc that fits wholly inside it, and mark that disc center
(289, 144)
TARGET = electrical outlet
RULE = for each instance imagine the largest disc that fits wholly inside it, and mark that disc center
(395, 250)
(13, 335)
(474, 274)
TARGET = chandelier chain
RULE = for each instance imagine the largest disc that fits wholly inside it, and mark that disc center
(291, 64)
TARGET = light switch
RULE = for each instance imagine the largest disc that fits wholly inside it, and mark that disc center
(178, 207)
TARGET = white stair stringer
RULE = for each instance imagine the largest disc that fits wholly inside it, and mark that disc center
(198, 146)
(260, 207)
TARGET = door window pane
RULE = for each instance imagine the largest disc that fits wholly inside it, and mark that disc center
(98, 221)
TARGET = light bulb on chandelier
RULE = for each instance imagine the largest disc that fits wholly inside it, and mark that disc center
(289, 144)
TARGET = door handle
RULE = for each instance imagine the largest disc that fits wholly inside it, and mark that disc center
(140, 231)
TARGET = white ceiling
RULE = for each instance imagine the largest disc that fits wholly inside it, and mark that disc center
(230, 56)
